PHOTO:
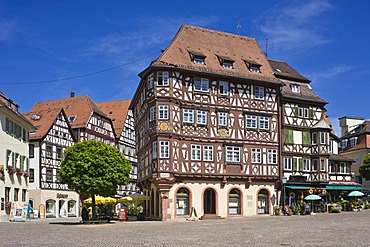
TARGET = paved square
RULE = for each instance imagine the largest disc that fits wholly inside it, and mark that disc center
(344, 229)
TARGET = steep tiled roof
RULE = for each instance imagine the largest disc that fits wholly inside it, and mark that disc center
(290, 76)
(80, 106)
(215, 46)
(362, 132)
(43, 120)
(117, 112)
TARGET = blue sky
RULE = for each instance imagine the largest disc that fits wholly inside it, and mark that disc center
(326, 41)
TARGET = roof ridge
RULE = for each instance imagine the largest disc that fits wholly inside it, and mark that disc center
(216, 31)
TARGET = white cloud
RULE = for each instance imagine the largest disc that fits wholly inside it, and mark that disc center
(6, 29)
(330, 73)
(295, 27)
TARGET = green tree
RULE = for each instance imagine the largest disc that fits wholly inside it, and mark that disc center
(94, 168)
(365, 168)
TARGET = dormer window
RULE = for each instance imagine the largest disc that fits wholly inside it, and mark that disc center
(226, 62)
(295, 88)
(253, 66)
(35, 117)
(197, 58)
(72, 118)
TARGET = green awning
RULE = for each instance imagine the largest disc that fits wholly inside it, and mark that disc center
(298, 187)
(343, 187)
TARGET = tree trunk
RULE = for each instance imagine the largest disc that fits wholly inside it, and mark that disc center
(93, 207)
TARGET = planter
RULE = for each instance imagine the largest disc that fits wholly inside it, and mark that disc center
(277, 211)
(131, 218)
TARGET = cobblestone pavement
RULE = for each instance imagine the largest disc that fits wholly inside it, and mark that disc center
(344, 229)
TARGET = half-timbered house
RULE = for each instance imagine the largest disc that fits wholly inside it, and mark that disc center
(47, 145)
(206, 123)
(14, 159)
(123, 123)
(309, 148)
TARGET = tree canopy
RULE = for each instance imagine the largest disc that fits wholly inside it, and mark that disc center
(365, 168)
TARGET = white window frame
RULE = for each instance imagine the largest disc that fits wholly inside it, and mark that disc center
(342, 167)
(251, 121)
(264, 123)
(201, 84)
(232, 154)
(207, 153)
(196, 152)
(296, 88)
(322, 138)
(256, 156)
(164, 148)
(314, 138)
(272, 156)
(306, 165)
(154, 150)
(199, 60)
(353, 141)
(300, 112)
(288, 163)
(163, 112)
(322, 165)
(223, 87)
(305, 112)
(201, 117)
(188, 116)
(222, 119)
(152, 113)
(227, 64)
(259, 92)
(164, 78)
(331, 167)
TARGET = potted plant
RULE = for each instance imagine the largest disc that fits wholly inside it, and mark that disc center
(11, 170)
(295, 209)
(277, 210)
(25, 173)
(8, 206)
(133, 210)
(19, 171)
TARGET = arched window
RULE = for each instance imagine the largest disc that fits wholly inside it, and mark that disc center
(234, 202)
(71, 208)
(263, 202)
(182, 202)
(50, 208)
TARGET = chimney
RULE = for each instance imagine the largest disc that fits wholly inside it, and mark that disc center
(72, 94)
(347, 123)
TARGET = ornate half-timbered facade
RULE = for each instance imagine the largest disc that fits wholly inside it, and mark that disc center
(309, 148)
(206, 123)
(47, 145)
(14, 159)
(123, 122)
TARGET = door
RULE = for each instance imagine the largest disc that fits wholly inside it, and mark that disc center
(209, 201)
(263, 202)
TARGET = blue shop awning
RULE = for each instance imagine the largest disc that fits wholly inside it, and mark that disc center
(298, 187)
(343, 187)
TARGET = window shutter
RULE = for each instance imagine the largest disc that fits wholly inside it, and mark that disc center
(300, 165)
(296, 111)
(294, 164)
(310, 113)
(288, 136)
(306, 138)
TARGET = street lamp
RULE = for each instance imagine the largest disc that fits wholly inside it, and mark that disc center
(283, 181)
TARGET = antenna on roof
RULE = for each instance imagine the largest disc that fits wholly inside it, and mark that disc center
(267, 45)
(238, 26)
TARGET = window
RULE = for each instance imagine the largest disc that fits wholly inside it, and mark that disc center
(24, 193)
(315, 165)
(72, 118)
(305, 113)
(31, 175)
(164, 148)
(59, 153)
(57, 176)
(196, 152)
(253, 66)
(306, 165)
(322, 165)
(201, 84)
(188, 115)
(232, 154)
(288, 164)
(152, 113)
(199, 59)
(251, 122)
(182, 202)
(259, 93)
(234, 202)
(227, 64)
(16, 193)
(256, 155)
(314, 138)
(342, 167)
(343, 143)
(223, 88)
(322, 138)
(49, 151)
(201, 117)
(208, 153)
(264, 123)
(142, 97)
(295, 88)
(162, 78)
(331, 167)
(150, 81)
(272, 156)
(49, 175)
(352, 141)
(154, 150)
(163, 112)
(31, 150)
(222, 119)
